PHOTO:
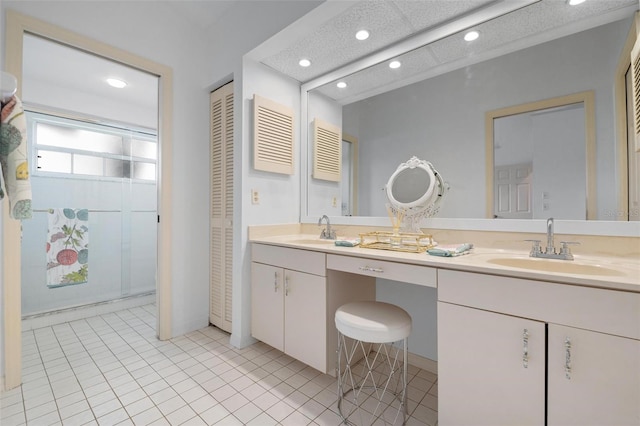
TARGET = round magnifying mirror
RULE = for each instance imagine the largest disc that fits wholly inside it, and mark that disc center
(410, 187)
(415, 189)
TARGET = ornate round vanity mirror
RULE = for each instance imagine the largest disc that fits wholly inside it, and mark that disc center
(415, 191)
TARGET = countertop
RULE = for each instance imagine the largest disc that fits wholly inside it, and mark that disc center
(603, 272)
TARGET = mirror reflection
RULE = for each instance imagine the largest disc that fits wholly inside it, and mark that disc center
(536, 155)
(443, 118)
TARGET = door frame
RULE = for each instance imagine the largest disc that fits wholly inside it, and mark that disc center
(620, 90)
(16, 26)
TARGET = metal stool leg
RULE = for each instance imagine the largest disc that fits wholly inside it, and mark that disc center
(386, 357)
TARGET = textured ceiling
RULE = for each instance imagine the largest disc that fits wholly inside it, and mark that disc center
(333, 44)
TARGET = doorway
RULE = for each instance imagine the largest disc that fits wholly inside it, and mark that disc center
(17, 26)
(92, 142)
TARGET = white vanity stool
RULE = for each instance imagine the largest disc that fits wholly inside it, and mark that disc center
(372, 375)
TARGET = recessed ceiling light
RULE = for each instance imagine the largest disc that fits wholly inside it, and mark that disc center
(115, 82)
(394, 64)
(341, 85)
(471, 35)
(304, 62)
(362, 35)
(575, 2)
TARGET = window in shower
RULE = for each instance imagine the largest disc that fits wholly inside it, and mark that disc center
(79, 149)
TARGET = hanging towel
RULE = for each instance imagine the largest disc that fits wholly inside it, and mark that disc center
(13, 159)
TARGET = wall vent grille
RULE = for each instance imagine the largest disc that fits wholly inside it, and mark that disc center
(273, 133)
(327, 151)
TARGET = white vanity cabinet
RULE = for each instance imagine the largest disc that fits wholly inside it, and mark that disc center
(490, 368)
(288, 302)
(293, 303)
(594, 378)
(581, 345)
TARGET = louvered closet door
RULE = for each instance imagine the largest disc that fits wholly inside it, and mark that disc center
(221, 207)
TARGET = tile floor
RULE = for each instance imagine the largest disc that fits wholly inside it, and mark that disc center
(111, 370)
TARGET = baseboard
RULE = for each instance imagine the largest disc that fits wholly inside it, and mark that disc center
(48, 319)
(423, 363)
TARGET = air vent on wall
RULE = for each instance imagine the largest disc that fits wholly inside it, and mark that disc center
(273, 136)
(327, 151)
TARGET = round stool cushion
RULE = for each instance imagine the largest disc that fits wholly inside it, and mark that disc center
(373, 322)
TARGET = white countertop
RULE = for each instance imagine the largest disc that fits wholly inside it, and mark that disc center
(604, 272)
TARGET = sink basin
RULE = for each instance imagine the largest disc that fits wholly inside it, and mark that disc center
(314, 241)
(561, 266)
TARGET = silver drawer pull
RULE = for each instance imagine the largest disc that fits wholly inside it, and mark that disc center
(525, 348)
(370, 269)
(275, 282)
(567, 360)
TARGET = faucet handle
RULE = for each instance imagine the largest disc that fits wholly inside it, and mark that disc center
(565, 247)
(535, 249)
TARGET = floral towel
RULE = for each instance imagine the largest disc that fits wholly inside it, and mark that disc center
(67, 247)
(13, 159)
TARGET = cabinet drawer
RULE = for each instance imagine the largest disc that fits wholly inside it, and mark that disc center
(421, 275)
(312, 262)
(607, 311)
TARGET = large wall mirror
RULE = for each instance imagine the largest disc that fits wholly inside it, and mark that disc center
(440, 116)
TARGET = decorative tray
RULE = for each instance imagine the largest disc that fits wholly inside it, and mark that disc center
(397, 241)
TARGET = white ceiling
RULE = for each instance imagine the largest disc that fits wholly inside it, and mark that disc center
(331, 44)
(50, 63)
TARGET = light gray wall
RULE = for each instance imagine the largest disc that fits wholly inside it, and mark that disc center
(279, 194)
(442, 119)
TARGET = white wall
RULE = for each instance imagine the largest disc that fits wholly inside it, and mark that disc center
(43, 93)
(442, 119)
(279, 194)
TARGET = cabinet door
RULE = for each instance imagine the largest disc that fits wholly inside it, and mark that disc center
(491, 368)
(305, 323)
(267, 299)
(594, 378)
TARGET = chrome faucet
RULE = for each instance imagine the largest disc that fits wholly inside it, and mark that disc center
(327, 233)
(550, 250)
(550, 243)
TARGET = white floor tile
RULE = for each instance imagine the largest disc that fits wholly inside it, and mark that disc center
(111, 369)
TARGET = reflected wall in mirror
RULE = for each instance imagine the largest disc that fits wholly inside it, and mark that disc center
(535, 152)
(442, 118)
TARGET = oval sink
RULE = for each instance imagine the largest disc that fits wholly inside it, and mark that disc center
(561, 266)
